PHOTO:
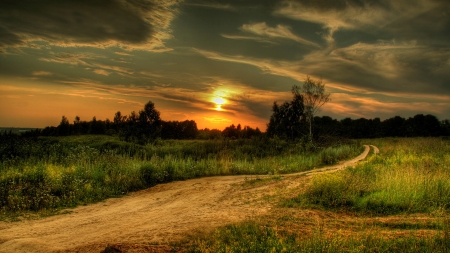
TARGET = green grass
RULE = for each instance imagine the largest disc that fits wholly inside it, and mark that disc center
(408, 176)
(48, 174)
(254, 237)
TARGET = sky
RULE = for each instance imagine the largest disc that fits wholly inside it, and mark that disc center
(220, 62)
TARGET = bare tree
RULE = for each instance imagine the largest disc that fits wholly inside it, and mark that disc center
(314, 97)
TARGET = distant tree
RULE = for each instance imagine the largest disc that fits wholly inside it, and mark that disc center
(286, 119)
(249, 132)
(179, 130)
(149, 122)
(445, 127)
(432, 126)
(189, 129)
(231, 132)
(142, 127)
(314, 97)
(77, 125)
(64, 127)
(118, 120)
(394, 127)
(97, 126)
(209, 134)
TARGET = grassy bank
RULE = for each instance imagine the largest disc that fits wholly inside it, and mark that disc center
(48, 174)
(409, 175)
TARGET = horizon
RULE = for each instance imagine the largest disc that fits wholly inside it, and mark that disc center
(235, 124)
(223, 62)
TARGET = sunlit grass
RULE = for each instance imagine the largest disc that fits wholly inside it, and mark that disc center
(53, 173)
(409, 175)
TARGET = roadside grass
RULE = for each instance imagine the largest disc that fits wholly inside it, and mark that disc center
(260, 237)
(408, 176)
(395, 201)
(45, 175)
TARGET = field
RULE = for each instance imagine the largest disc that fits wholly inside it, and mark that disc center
(46, 174)
(397, 201)
(394, 201)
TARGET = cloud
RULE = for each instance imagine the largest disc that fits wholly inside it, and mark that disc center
(213, 5)
(380, 58)
(280, 68)
(78, 59)
(397, 70)
(387, 66)
(360, 106)
(364, 15)
(280, 31)
(240, 37)
(102, 72)
(130, 24)
(88, 60)
(42, 73)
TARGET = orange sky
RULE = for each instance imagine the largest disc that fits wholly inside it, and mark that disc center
(376, 58)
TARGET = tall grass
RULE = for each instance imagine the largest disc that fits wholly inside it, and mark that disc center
(254, 237)
(52, 173)
(409, 175)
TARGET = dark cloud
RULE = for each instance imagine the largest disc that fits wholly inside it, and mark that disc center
(81, 22)
(8, 38)
(431, 27)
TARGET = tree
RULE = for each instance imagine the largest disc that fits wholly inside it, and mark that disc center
(64, 127)
(142, 127)
(118, 120)
(150, 122)
(314, 97)
(77, 125)
(286, 119)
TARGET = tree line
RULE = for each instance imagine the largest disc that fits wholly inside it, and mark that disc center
(140, 129)
(143, 127)
(296, 119)
(293, 120)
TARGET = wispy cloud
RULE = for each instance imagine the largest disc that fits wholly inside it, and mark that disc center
(102, 72)
(42, 73)
(280, 31)
(90, 61)
(357, 106)
(353, 15)
(214, 5)
(241, 37)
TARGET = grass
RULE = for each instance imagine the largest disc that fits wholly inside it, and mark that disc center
(48, 174)
(396, 201)
(254, 237)
(409, 175)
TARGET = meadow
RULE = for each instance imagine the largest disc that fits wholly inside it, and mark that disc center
(396, 201)
(46, 174)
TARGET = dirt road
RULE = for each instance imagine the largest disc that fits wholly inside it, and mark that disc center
(159, 215)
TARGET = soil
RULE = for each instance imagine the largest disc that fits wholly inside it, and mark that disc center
(152, 219)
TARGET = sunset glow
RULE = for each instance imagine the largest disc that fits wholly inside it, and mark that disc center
(220, 63)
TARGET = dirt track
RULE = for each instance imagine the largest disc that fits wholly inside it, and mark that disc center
(159, 215)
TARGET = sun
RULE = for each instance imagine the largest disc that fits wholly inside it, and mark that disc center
(219, 101)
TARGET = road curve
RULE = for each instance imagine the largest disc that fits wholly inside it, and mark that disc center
(161, 214)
